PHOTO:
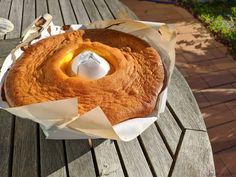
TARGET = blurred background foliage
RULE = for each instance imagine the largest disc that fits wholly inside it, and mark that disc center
(218, 15)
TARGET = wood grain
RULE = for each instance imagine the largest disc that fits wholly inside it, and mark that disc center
(67, 12)
(170, 129)
(55, 11)
(6, 119)
(41, 7)
(6, 132)
(103, 9)
(107, 158)
(25, 162)
(16, 18)
(52, 157)
(185, 105)
(80, 12)
(25, 139)
(80, 160)
(28, 14)
(91, 10)
(5, 48)
(156, 151)
(119, 10)
(134, 159)
(195, 157)
(5, 9)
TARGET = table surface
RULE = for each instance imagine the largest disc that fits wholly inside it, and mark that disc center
(176, 145)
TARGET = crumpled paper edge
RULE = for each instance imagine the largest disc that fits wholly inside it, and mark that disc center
(100, 127)
(6, 26)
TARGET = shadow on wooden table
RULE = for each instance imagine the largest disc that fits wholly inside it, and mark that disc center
(68, 156)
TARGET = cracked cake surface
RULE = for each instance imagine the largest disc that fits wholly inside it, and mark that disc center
(129, 90)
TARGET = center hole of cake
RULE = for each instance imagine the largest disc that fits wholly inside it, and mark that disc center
(89, 65)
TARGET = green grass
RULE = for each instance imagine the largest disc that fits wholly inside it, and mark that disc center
(220, 17)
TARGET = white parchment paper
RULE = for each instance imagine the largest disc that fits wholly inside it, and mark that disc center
(60, 119)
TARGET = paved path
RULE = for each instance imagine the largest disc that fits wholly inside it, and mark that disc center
(211, 73)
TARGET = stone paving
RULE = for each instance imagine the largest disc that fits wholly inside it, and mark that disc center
(211, 73)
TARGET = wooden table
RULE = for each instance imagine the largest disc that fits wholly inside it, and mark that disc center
(176, 145)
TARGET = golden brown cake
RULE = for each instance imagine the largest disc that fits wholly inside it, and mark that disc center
(129, 90)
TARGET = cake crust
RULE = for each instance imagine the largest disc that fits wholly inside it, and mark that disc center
(130, 90)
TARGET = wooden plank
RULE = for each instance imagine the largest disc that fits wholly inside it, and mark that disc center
(119, 10)
(80, 12)
(80, 160)
(52, 157)
(156, 150)
(103, 9)
(29, 13)
(91, 10)
(25, 162)
(16, 18)
(6, 119)
(185, 106)
(195, 156)
(170, 129)
(134, 159)
(25, 139)
(5, 10)
(41, 7)
(6, 122)
(5, 48)
(67, 12)
(107, 158)
(54, 10)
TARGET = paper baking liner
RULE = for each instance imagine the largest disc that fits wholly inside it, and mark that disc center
(60, 119)
(6, 26)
